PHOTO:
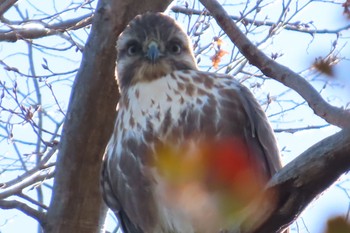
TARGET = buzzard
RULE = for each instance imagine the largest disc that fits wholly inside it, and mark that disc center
(185, 141)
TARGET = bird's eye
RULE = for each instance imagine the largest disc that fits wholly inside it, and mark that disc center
(133, 49)
(175, 48)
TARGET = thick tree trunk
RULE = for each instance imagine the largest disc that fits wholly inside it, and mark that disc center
(76, 204)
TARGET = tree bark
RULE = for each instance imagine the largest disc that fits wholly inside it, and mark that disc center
(76, 204)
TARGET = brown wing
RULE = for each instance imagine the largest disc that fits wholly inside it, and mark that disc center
(258, 134)
(112, 202)
(261, 135)
(125, 189)
(239, 114)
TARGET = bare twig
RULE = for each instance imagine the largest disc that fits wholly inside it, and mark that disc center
(14, 69)
(297, 129)
(296, 26)
(43, 164)
(33, 201)
(55, 98)
(37, 215)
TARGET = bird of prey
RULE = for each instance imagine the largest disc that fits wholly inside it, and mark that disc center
(181, 135)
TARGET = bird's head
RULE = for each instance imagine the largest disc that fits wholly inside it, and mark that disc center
(152, 46)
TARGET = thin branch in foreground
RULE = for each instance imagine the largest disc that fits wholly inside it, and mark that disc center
(272, 69)
(33, 201)
(296, 129)
(37, 215)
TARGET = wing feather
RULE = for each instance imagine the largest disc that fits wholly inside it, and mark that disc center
(125, 189)
(261, 130)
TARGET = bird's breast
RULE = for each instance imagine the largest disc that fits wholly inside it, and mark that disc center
(165, 102)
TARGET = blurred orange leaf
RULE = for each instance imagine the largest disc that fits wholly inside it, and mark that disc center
(216, 174)
(216, 58)
(219, 53)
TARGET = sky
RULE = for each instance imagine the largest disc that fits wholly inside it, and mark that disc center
(298, 54)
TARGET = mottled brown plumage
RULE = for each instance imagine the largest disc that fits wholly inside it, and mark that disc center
(170, 109)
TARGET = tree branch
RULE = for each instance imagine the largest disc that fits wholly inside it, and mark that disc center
(298, 27)
(33, 201)
(272, 69)
(299, 182)
(37, 215)
(18, 184)
(35, 29)
(5, 5)
(298, 129)
(30, 177)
